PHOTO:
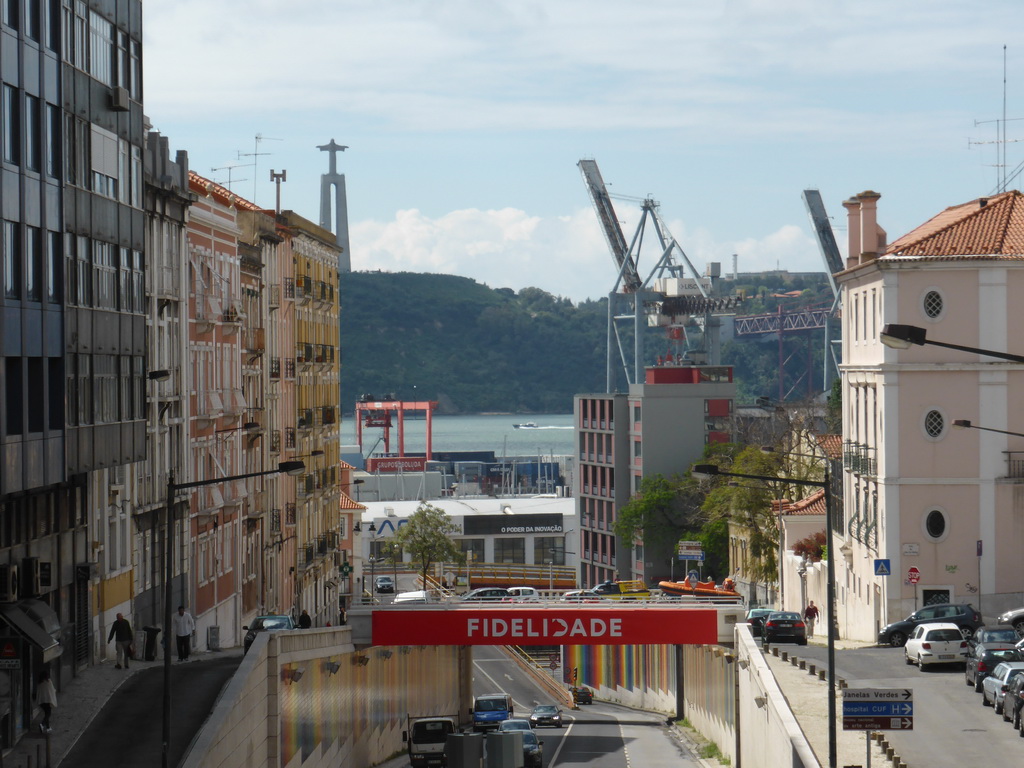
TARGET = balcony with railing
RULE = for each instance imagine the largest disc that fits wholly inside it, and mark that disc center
(289, 437)
(275, 367)
(859, 458)
(275, 521)
(303, 289)
(321, 545)
(289, 368)
(305, 420)
(1014, 465)
(308, 555)
(289, 287)
(328, 415)
(274, 296)
(254, 340)
(275, 441)
(289, 513)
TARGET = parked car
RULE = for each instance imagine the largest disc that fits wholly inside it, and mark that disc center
(580, 596)
(533, 755)
(995, 637)
(983, 658)
(784, 626)
(1013, 699)
(546, 714)
(515, 724)
(524, 595)
(995, 685)
(633, 589)
(487, 594)
(417, 596)
(1014, 618)
(265, 624)
(755, 618)
(961, 614)
(384, 584)
(939, 643)
(582, 695)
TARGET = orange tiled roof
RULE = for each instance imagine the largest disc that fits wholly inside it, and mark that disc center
(224, 195)
(988, 227)
(832, 445)
(347, 503)
(812, 505)
(344, 464)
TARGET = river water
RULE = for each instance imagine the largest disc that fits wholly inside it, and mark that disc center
(553, 435)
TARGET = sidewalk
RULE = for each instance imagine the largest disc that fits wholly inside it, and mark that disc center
(78, 702)
(807, 695)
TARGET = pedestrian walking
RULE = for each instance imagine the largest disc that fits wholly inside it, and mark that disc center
(304, 621)
(810, 617)
(46, 697)
(121, 634)
(184, 626)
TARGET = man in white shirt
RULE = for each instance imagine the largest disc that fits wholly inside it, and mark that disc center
(183, 625)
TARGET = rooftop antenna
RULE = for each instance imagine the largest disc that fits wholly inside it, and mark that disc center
(1002, 181)
(255, 155)
(229, 169)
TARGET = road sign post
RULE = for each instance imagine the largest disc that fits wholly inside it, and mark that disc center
(878, 709)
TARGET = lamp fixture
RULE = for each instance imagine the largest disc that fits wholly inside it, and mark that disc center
(331, 667)
(384, 653)
(360, 661)
(897, 336)
(161, 374)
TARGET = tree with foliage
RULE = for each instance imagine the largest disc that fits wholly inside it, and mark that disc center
(749, 504)
(427, 537)
(812, 547)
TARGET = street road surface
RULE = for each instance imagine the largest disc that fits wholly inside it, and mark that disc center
(598, 734)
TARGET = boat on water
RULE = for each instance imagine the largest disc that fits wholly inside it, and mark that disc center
(702, 590)
(526, 425)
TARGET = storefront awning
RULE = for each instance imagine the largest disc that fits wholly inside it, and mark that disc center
(27, 618)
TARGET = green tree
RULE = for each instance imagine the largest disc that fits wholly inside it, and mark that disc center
(749, 503)
(427, 537)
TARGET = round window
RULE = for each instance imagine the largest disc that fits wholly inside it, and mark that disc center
(935, 524)
(934, 423)
(933, 304)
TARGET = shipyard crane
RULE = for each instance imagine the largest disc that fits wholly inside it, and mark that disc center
(665, 298)
(784, 321)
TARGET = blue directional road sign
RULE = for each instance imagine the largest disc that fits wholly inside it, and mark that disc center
(883, 567)
(877, 709)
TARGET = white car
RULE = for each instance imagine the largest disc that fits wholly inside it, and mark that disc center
(993, 687)
(937, 643)
(524, 595)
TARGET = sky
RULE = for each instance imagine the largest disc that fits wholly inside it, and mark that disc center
(465, 121)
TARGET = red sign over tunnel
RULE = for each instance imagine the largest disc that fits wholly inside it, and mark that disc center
(582, 626)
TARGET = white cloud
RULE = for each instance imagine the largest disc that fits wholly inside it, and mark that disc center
(565, 256)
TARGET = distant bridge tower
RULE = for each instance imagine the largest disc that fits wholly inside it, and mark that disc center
(337, 180)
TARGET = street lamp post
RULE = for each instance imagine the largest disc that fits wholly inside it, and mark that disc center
(825, 485)
(904, 336)
(288, 467)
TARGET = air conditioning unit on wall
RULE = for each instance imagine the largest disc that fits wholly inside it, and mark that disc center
(119, 99)
(8, 583)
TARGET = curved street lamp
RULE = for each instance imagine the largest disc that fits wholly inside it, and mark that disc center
(711, 470)
(905, 336)
(286, 467)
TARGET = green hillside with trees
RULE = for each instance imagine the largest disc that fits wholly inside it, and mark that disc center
(475, 349)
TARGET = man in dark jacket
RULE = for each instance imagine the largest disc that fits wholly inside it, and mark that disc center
(121, 632)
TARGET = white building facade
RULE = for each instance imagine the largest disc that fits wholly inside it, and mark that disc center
(943, 506)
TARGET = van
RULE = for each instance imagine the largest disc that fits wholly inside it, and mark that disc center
(490, 710)
(427, 737)
(419, 596)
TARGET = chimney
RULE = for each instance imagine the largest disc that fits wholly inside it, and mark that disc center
(852, 207)
(872, 237)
